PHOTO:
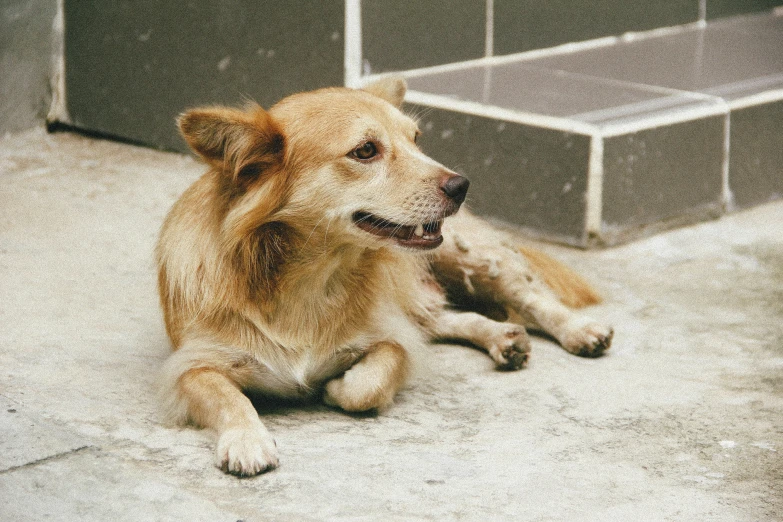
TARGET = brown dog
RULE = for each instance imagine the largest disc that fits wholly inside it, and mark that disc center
(295, 266)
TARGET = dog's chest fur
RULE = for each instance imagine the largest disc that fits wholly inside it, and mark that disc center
(322, 319)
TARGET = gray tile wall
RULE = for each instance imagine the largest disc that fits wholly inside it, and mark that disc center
(721, 8)
(664, 172)
(530, 176)
(523, 25)
(756, 154)
(132, 66)
(408, 34)
(171, 52)
(26, 49)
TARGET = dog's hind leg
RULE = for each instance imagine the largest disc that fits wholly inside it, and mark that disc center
(508, 344)
(480, 263)
(371, 383)
(576, 332)
(209, 396)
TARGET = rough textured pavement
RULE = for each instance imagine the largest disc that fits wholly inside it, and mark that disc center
(682, 420)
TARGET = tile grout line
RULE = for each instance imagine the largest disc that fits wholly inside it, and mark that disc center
(594, 190)
(58, 107)
(489, 46)
(702, 10)
(352, 63)
(489, 32)
(727, 196)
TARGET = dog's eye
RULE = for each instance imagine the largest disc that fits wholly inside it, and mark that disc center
(366, 151)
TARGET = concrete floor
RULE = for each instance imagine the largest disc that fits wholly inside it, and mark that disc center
(682, 420)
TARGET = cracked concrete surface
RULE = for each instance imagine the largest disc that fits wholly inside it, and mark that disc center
(682, 420)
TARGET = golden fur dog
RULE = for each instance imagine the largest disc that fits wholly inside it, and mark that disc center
(313, 258)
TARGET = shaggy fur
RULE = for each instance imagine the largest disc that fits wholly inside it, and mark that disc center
(295, 267)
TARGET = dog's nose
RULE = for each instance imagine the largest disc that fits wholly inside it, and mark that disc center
(455, 187)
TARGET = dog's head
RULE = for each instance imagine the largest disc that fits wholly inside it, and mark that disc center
(341, 160)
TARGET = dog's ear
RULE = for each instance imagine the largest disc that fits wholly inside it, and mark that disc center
(240, 143)
(392, 89)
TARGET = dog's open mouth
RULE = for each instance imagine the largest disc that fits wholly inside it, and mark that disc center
(421, 237)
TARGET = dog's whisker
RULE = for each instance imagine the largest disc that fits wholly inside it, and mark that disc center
(328, 224)
(313, 230)
(363, 218)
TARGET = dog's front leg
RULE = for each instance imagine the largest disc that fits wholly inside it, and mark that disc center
(213, 400)
(372, 382)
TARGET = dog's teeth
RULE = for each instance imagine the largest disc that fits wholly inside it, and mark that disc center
(419, 230)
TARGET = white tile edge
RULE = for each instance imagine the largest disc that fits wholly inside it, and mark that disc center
(595, 188)
(498, 113)
(719, 108)
(757, 99)
(353, 44)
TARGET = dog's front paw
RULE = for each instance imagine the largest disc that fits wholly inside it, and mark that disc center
(246, 451)
(371, 383)
(511, 348)
(588, 340)
(350, 393)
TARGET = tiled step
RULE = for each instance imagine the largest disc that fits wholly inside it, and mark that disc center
(597, 144)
